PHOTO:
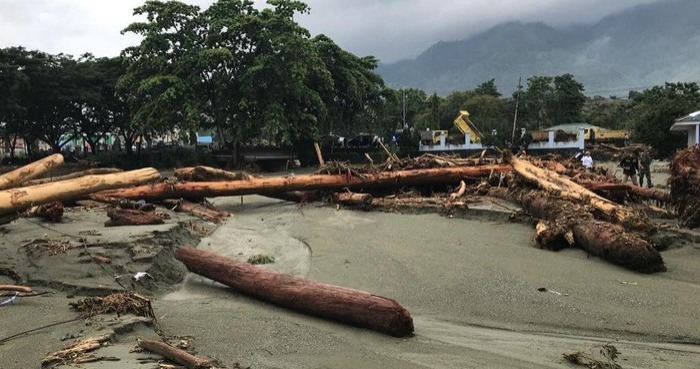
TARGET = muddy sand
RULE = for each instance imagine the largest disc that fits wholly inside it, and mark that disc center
(471, 284)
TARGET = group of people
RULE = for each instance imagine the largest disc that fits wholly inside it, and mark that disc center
(634, 162)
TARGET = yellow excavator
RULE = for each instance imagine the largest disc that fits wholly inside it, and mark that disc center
(464, 125)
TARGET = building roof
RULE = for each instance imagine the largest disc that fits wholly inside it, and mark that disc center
(573, 127)
(684, 123)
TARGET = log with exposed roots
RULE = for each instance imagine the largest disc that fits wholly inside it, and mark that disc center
(30, 171)
(603, 239)
(16, 199)
(305, 183)
(342, 304)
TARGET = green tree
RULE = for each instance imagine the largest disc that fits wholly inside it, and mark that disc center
(536, 102)
(488, 88)
(567, 100)
(655, 110)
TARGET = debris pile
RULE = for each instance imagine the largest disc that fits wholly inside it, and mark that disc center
(79, 352)
(685, 186)
(119, 303)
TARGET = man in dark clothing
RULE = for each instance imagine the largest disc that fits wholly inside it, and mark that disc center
(645, 168)
(629, 165)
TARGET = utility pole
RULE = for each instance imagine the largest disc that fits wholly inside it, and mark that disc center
(403, 90)
(517, 102)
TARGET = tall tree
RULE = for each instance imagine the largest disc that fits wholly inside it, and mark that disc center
(488, 88)
(568, 99)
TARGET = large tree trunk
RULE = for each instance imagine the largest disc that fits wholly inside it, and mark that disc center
(30, 171)
(202, 174)
(304, 183)
(342, 304)
(603, 239)
(16, 199)
(79, 174)
(568, 189)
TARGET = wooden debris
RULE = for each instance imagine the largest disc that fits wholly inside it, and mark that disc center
(319, 156)
(12, 287)
(209, 174)
(125, 217)
(460, 191)
(40, 247)
(76, 353)
(685, 186)
(352, 199)
(101, 259)
(175, 354)
(205, 212)
(21, 198)
(52, 211)
(119, 303)
(304, 183)
(38, 168)
(342, 304)
(598, 357)
(74, 175)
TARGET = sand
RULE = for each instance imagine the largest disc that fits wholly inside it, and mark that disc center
(470, 284)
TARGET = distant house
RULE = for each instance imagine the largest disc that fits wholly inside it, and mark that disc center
(691, 124)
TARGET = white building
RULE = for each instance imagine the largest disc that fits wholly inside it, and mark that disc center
(691, 124)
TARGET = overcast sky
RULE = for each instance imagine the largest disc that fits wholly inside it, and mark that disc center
(388, 29)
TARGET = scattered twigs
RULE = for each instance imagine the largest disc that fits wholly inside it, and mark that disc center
(76, 353)
(175, 354)
(119, 303)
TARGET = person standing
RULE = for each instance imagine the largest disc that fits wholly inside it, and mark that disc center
(587, 160)
(629, 165)
(645, 168)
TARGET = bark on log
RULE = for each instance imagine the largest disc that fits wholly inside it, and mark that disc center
(18, 176)
(214, 215)
(304, 183)
(82, 173)
(352, 199)
(175, 354)
(21, 198)
(645, 193)
(568, 189)
(124, 217)
(342, 304)
(603, 239)
(208, 174)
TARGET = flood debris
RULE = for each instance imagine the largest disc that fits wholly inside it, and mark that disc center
(30, 171)
(130, 217)
(175, 355)
(260, 259)
(685, 186)
(597, 357)
(78, 352)
(354, 307)
(119, 303)
(208, 174)
(40, 247)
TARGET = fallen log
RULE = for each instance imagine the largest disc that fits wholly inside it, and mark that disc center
(342, 304)
(352, 199)
(208, 174)
(30, 171)
(603, 239)
(124, 217)
(645, 193)
(175, 355)
(21, 198)
(201, 211)
(82, 173)
(304, 183)
(568, 189)
(12, 287)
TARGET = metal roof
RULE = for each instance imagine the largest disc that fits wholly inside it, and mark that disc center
(684, 123)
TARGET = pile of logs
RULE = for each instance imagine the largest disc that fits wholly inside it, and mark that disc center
(685, 186)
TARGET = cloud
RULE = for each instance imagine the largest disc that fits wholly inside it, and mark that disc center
(389, 29)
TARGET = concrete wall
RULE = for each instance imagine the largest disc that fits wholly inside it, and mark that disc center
(550, 144)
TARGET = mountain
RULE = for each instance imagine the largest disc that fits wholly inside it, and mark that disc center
(642, 46)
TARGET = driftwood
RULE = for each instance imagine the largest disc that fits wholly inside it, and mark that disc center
(566, 188)
(201, 211)
(641, 192)
(304, 183)
(460, 191)
(342, 304)
(174, 354)
(567, 223)
(82, 173)
(52, 211)
(12, 287)
(38, 168)
(21, 198)
(208, 174)
(125, 217)
(78, 352)
(352, 199)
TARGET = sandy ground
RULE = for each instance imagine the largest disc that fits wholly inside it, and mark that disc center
(470, 284)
